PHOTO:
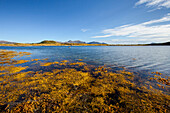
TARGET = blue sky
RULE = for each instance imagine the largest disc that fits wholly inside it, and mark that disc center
(111, 21)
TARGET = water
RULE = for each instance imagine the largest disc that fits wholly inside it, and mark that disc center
(135, 58)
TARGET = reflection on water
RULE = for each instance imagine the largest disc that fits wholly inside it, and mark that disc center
(135, 58)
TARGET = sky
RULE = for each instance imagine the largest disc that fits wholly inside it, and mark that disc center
(110, 21)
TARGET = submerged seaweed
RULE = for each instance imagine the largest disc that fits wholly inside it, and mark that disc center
(74, 87)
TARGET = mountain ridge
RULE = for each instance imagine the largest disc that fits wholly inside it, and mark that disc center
(6, 42)
(80, 42)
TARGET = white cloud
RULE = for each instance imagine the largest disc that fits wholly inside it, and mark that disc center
(84, 30)
(135, 41)
(154, 29)
(155, 3)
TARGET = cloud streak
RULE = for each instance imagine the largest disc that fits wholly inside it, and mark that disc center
(135, 41)
(84, 30)
(155, 3)
(154, 29)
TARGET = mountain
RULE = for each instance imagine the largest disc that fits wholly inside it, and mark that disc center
(48, 42)
(76, 41)
(55, 42)
(166, 43)
(81, 42)
(96, 43)
(6, 42)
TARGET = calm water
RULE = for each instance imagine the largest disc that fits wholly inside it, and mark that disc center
(136, 58)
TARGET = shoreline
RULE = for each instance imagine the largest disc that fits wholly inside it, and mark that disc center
(27, 45)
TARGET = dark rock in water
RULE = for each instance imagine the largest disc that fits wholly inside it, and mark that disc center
(2, 107)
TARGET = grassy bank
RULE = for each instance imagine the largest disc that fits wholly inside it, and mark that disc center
(70, 44)
(75, 44)
(74, 87)
(56, 44)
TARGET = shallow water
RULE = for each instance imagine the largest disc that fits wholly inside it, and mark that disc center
(142, 59)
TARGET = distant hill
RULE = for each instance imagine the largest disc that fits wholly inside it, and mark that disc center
(96, 43)
(82, 42)
(166, 43)
(76, 41)
(6, 42)
(55, 42)
(48, 42)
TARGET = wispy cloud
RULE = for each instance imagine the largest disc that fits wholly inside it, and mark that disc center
(84, 30)
(135, 41)
(158, 4)
(157, 29)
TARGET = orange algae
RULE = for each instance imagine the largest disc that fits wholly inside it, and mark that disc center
(46, 64)
(71, 89)
(162, 82)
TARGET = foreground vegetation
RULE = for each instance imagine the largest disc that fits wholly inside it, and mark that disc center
(74, 87)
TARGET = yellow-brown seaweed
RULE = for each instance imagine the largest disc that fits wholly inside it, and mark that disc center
(70, 89)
